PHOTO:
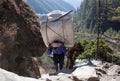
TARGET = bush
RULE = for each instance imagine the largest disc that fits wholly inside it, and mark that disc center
(90, 49)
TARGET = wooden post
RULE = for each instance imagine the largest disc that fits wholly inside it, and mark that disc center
(98, 30)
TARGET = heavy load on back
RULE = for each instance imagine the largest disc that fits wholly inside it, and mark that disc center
(57, 25)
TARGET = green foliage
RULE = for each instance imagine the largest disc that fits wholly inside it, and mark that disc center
(90, 49)
(83, 42)
(117, 10)
(113, 33)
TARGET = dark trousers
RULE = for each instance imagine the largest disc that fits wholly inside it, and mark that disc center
(58, 59)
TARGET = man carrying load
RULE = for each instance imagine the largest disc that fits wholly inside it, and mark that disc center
(57, 33)
(58, 49)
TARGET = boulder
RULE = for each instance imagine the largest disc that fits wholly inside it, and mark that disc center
(114, 70)
(20, 38)
(9, 76)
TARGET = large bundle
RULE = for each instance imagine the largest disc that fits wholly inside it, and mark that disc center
(57, 25)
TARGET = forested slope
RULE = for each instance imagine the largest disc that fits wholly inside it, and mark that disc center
(45, 6)
(86, 17)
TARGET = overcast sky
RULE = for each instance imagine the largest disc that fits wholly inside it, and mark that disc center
(74, 3)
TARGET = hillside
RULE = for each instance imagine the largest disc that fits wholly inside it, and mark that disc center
(75, 3)
(87, 16)
(45, 6)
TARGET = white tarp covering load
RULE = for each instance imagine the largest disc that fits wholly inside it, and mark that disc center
(57, 25)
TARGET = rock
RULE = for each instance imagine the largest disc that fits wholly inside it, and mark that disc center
(93, 79)
(76, 79)
(64, 77)
(100, 70)
(106, 66)
(21, 38)
(9, 76)
(85, 72)
(48, 79)
(110, 78)
(1, 1)
(114, 70)
(118, 72)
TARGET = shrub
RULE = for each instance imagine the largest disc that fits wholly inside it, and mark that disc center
(90, 49)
